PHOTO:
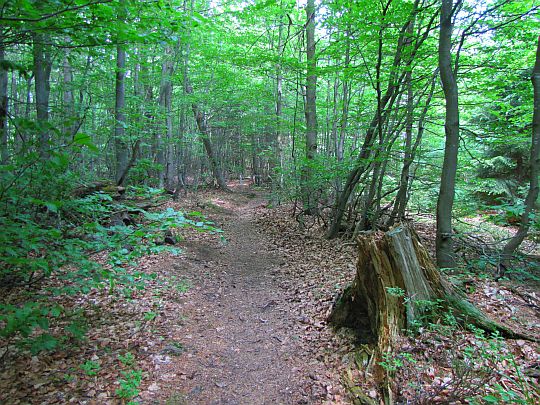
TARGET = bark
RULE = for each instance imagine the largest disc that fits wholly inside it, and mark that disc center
(164, 154)
(18, 139)
(28, 93)
(532, 195)
(308, 193)
(205, 137)
(340, 147)
(394, 284)
(120, 144)
(200, 119)
(120, 116)
(72, 122)
(4, 152)
(42, 73)
(387, 100)
(340, 141)
(134, 154)
(445, 202)
(279, 106)
(402, 197)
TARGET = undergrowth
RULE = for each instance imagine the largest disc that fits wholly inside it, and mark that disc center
(54, 244)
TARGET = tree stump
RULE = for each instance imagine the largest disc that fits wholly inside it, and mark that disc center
(396, 285)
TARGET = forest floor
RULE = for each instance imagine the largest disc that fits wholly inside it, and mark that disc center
(243, 341)
(241, 319)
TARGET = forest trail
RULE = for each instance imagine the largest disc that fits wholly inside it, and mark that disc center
(236, 328)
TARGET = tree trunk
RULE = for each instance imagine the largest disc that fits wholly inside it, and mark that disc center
(205, 137)
(308, 193)
(397, 287)
(163, 157)
(363, 161)
(532, 195)
(68, 99)
(42, 73)
(4, 152)
(445, 202)
(279, 107)
(120, 143)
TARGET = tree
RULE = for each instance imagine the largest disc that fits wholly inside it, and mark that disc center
(309, 197)
(532, 195)
(42, 73)
(445, 202)
(4, 152)
(120, 144)
(376, 140)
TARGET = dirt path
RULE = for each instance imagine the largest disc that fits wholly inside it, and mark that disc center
(236, 330)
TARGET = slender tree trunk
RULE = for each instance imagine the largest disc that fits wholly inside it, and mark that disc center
(200, 119)
(279, 106)
(28, 94)
(42, 73)
(309, 199)
(205, 137)
(70, 124)
(384, 103)
(532, 195)
(18, 140)
(443, 241)
(402, 197)
(163, 142)
(120, 116)
(340, 148)
(4, 152)
(120, 144)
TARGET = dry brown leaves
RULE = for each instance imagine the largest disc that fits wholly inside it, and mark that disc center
(311, 275)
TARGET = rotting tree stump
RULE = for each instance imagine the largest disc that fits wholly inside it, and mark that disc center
(395, 283)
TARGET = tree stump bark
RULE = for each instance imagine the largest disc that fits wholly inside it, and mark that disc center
(396, 285)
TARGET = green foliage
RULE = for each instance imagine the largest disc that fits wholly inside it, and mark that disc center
(129, 384)
(392, 363)
(47, 232)
(91, 367)
(395, 291)
(127, 359)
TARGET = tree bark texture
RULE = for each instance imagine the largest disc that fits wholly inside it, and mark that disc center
(205, 137)
(445, 202)
(396, 280)
(385, 103)
(532, 196)
(4, 152)
(402, 197)
(164, 152)
(279, 106)
(308, 192)
(42, 73)
(120, 116)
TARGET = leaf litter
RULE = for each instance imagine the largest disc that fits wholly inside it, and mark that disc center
(242, 319)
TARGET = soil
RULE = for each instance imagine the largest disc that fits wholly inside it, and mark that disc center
(242, 319)
(239, 337)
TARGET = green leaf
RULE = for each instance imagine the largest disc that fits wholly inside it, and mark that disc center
(85, 140)
(44, 342)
